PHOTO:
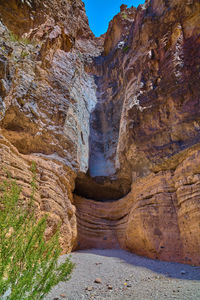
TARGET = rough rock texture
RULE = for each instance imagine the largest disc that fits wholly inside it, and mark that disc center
(120, 124)
(147, 118)
(54, 183)
(104, 174)
(45, 102)
(159, 218)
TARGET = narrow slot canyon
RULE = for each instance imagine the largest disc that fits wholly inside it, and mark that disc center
(102, 180)
(112, 123)
(133, 194)
(99, 192)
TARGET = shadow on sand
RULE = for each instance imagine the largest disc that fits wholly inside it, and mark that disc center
(167, 269)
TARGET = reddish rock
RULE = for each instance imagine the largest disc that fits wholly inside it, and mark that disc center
(118, 124)
(45, 102)
(98, 280)
(146, 124)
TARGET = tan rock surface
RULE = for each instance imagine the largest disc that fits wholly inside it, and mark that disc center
(159, 218)
(145, 130)
(119, 125)
(45, 102)
(53, 196)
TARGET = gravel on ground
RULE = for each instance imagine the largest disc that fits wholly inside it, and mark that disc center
(120, 275)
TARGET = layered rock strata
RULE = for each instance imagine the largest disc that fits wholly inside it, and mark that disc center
(118, 124)
(45, 101)
(148, 81)
(159, 218)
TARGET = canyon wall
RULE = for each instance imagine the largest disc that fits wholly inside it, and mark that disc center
(45, 101)
(113, 123)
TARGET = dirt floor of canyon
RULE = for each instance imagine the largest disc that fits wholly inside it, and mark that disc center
(121, 275)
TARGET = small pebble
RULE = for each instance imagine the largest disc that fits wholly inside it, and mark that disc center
(183, 272)
(62, 295)
(89, 288)
(110, 287)
(98, 280)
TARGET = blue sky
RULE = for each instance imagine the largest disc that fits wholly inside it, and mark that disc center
(100, 12)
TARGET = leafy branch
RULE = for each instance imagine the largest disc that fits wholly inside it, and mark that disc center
(29, 265)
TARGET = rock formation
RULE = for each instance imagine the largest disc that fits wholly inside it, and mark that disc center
(46, 98)
(113, 123)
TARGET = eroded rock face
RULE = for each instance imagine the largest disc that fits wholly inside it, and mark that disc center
(118, 124)
(46, 97)
(54, 182)
(149, 109)
(159, 218)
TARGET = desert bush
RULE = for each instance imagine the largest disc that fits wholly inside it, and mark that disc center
(29, 265)
(16, 39)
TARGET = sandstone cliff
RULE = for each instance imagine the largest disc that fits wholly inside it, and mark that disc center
(114, 119)
(46, 98)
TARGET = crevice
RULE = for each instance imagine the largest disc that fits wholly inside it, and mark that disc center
(101, 188)
(103, 180)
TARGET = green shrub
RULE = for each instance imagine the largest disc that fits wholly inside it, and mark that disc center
(124, 16)
(16, 39)
(13, 37)
(126, 48)
(24, 54)
(29, 265)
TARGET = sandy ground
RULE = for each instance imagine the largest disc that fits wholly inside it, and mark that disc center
(124, 275)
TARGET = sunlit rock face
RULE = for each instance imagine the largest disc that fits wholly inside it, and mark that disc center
(112, 123)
